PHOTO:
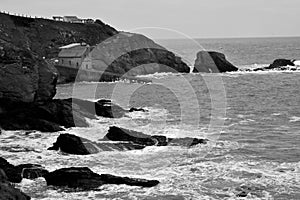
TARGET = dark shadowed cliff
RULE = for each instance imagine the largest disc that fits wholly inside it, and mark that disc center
(30, 42)
(43, 37)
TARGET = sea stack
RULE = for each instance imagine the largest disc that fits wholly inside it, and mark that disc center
(212, 62)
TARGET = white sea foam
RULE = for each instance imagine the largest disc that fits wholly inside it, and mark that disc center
(294, 119)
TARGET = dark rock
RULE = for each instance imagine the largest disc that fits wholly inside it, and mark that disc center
(111, 179)
(280, 63)
(137, 110)
(134, 54)
(16, 173)
(160, 140)
(70, 144)
(186, 141)
(212, 62)
(124, 140)
(80, 146)
(121, 134)
(242, 194)
(103, 108)
(84, 178)
(44, 37)
(8, 192)
(25, 78)
(52, 115)
(31, 171)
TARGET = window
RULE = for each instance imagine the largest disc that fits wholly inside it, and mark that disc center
(70, 62)
(77, 64)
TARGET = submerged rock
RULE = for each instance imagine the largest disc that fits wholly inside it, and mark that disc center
(86, 179)
(7, 191)
(15, 174)
(212, 62)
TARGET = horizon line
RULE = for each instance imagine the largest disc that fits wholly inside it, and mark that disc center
(231, 37)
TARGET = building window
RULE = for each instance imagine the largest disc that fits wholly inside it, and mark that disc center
(62, 61)
(87, 67)
(77, 64)
(70, 62)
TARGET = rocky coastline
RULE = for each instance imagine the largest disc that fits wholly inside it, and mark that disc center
(28, 82)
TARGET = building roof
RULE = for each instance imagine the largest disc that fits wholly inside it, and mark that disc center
(73, 52)
(72, 19)
(70, 46)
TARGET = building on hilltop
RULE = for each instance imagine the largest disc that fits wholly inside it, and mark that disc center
(58, 18)
(72, 55)
(72, 19)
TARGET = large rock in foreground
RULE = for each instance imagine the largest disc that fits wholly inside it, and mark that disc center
(23, 77)
(53, 115)
(15, 174)
(8, 192)
(123, 140)
(84, 178)
(212, 62)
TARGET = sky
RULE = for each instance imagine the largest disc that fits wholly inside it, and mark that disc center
(176, 18)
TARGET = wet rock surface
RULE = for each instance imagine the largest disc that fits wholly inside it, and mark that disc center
(123, 139)
(16, 173)
(53, 115)
(7, 191)
(121, 134)
(86, 179)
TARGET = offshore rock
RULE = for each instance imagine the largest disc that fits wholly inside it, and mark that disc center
(212, 62)
(279, 64)
(123, 140)
(121, 134)
(73, 144)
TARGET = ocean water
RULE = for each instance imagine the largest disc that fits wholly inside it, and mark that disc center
(251, 119)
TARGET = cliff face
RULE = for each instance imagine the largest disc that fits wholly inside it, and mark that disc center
(134, 54)
(28, 44)
(43, 37)
(24, 75)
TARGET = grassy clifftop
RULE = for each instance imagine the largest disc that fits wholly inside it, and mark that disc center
(43, 37)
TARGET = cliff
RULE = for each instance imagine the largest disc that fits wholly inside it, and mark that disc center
(25, 76)
(30, 41)
(43, 37)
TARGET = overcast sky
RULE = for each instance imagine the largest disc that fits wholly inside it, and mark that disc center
(194, 18)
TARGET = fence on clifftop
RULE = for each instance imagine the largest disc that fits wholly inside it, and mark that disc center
(23, 15)
(39, 17)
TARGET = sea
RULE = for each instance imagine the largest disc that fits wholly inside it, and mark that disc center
(251, 119)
